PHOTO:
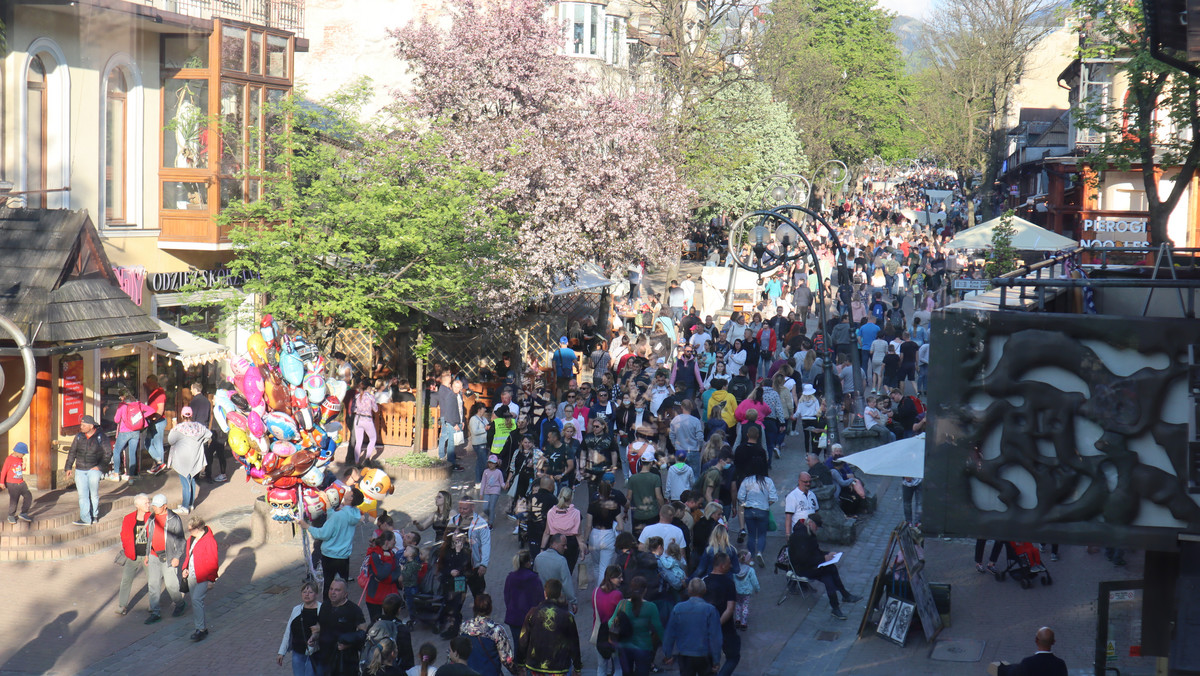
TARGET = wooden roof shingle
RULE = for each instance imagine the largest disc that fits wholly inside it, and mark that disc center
(54, 274)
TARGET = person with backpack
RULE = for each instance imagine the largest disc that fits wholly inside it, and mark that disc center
(491, 649)
(380, 572)
(131, 419)
(387, 628)
(565, 363)
(637, 628)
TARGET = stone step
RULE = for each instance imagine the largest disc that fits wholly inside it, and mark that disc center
(61, 534)
(89, 541)
(112, 508)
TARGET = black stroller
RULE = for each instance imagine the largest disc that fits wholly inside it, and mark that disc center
(1023, 563)
(427, 605)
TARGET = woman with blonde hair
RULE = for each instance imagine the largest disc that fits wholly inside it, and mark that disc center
(712, 448)
(717, 542)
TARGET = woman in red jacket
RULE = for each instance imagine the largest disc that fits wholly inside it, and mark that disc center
(382, 572)
(199, 570)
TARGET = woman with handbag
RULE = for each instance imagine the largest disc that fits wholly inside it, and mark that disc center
(605, 599)
(299, 637)
(453, 564)
(199, 571)
(637, 630)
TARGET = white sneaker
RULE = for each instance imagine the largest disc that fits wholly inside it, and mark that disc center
(517, 530)
(124, 477)
(181, 511)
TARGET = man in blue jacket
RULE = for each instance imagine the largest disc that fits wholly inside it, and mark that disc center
(693, 634)
(337, 537)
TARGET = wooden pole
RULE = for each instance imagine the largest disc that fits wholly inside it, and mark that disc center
(419, 417)
(41, 421)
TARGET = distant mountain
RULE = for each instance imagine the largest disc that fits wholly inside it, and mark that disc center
(909, 32)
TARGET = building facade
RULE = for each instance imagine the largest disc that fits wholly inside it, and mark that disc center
(147, 116)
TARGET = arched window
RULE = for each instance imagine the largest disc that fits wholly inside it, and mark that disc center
(116, 132)
(37, 124)
(44, 137)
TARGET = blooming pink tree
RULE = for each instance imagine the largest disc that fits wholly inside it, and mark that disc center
(582, 170)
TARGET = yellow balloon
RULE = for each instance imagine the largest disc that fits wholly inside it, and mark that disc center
(257, 347)
(239, 441)
(369, 507)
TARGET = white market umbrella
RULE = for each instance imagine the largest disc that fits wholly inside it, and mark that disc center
(1027, 237)
(902, 458)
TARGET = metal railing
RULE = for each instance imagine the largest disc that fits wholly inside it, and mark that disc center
(285, 15)
(1038, 286)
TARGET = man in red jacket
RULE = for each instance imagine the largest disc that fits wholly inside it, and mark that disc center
(199, 570)
(134, 544)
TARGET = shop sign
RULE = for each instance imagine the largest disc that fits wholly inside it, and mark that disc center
(1115, 231)
(131, 280)
(160, 282)
(70, 389)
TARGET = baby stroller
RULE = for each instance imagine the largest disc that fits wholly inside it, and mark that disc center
(1023, 564)
(427, 605)
(796, 584)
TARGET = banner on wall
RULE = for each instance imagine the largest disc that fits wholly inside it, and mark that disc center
(70, 390)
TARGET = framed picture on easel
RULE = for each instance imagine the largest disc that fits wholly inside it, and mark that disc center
(896, 620)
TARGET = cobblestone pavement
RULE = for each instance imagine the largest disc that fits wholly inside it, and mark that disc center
(66, 624)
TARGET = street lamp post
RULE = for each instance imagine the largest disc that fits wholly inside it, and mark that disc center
(754, 231)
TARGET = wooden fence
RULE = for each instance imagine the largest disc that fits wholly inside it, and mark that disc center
(398, 420)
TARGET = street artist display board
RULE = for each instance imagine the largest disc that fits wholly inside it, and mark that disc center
(902, 543)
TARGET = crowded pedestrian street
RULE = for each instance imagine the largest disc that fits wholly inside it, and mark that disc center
(599, 338)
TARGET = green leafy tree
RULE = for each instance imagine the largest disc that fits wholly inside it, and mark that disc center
(365, 220)
(835, 63)
(977, 51)
(1154, 126)
(1002, 257)
(735, 141)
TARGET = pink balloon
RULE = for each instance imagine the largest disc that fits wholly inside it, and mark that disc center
(253, 387)
(255, 423)
(240, 364)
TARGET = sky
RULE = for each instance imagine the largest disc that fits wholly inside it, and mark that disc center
(914, 8)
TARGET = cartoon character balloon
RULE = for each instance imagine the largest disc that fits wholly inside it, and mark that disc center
(279, 418)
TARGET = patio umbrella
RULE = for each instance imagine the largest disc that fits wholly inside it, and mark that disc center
(905, 457)
(1026, 237)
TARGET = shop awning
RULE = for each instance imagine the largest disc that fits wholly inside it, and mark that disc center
(587, 277)
(188, 348)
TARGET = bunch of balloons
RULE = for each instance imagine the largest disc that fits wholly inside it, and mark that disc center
(279, 419)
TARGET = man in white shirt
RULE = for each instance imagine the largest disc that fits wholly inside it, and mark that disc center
(689, 292)
(664, 529)
(799, 503)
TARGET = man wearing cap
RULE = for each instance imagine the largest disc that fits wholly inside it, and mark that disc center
(86, 461)
(187, 441)
(565, 364)
(12, 479)
(808, 560)
(645, 495)
(165, 543)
